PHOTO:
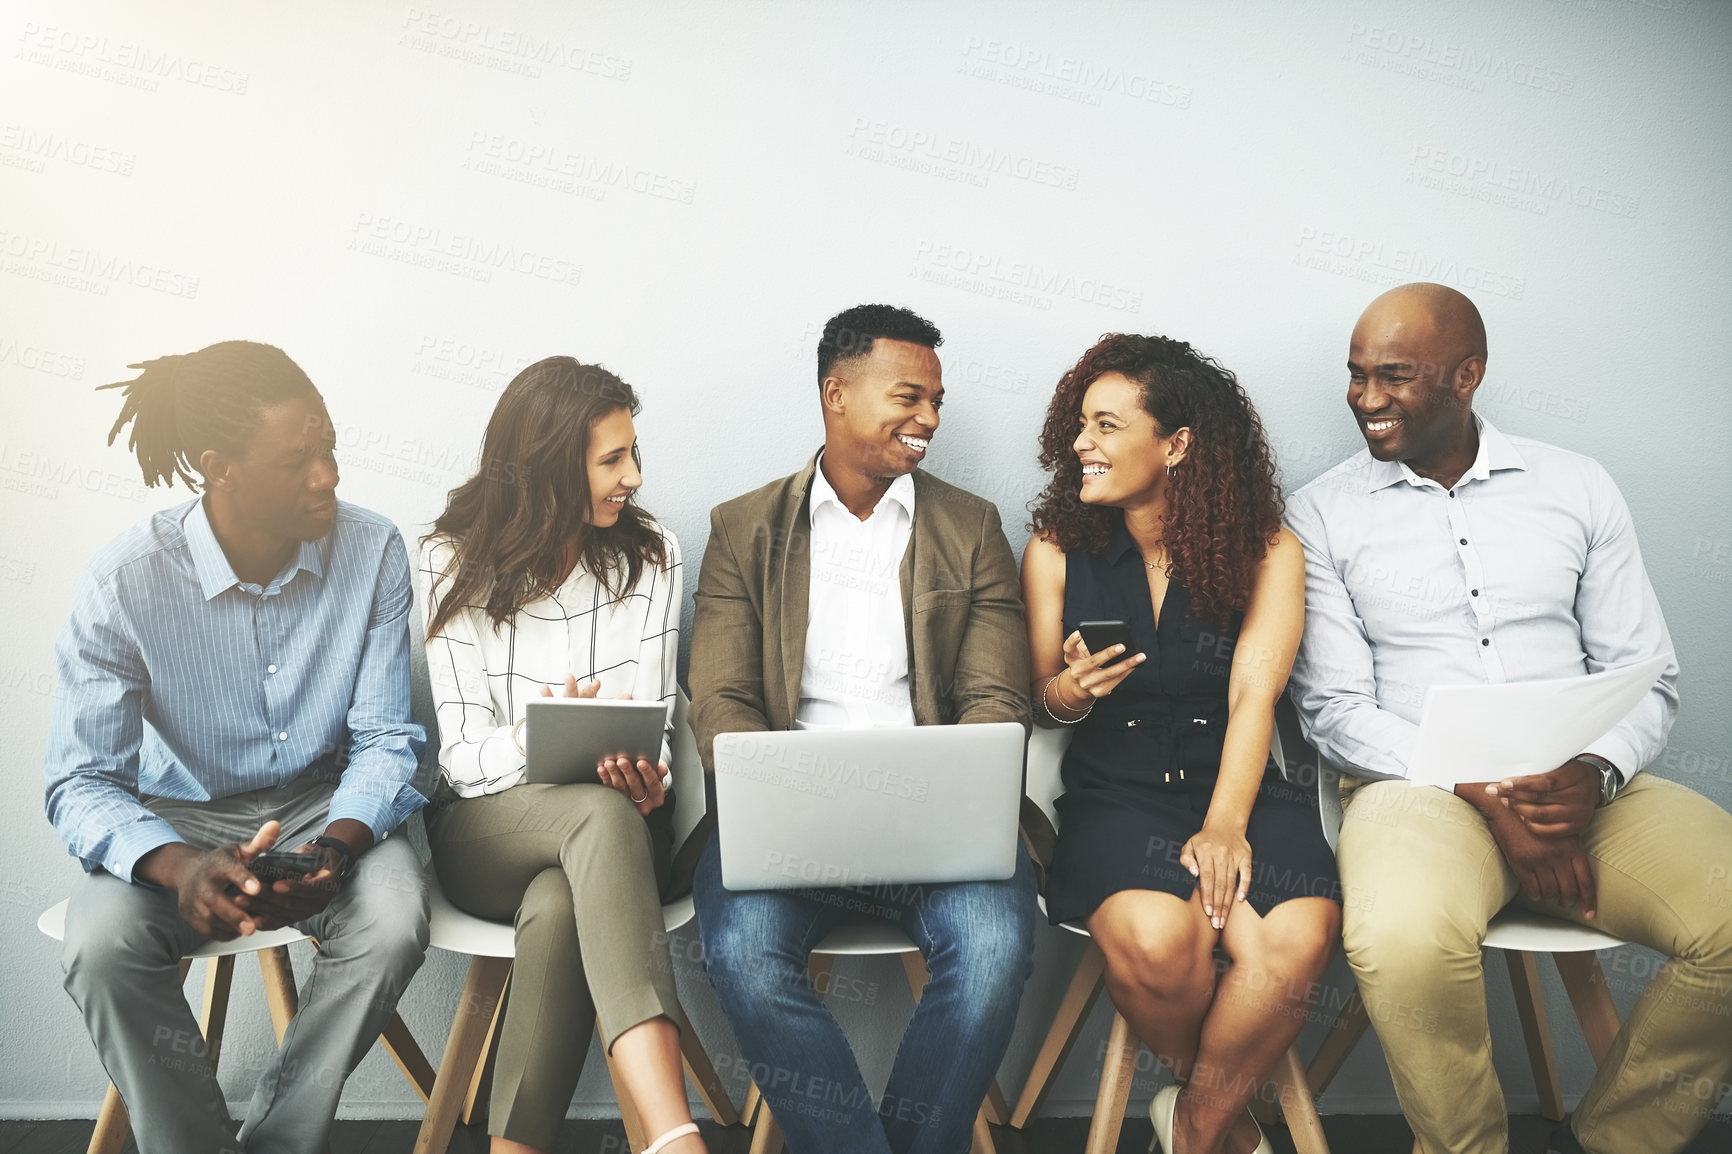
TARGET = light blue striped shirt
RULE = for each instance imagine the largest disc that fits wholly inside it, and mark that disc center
(177, 679)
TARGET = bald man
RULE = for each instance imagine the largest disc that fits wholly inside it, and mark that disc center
(1446, 554)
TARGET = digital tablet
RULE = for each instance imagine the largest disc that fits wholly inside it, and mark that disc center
(564, 737)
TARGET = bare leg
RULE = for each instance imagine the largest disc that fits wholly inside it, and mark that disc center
(647, 1059)
(1260, 1005)
(1160, 970)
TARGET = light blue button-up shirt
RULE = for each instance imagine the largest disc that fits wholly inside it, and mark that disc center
(1527, 569)
(178, 679)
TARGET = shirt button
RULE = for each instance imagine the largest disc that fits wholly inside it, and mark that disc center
(1482, 641)
(1470, 593)
(1452, 494)
(270, 669)
(1464, 540)
(283, 736)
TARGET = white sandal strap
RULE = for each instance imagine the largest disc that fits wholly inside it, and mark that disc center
(677, 1132)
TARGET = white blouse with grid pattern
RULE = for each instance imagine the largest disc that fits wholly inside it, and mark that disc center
(483, 677)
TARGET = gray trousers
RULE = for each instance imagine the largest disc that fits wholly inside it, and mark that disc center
(121, 953)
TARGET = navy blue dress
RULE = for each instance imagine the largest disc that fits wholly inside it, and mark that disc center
(1141, 767)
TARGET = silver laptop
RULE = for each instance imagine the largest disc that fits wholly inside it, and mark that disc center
(857, 807)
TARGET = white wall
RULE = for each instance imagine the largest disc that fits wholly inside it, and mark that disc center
(416, 199)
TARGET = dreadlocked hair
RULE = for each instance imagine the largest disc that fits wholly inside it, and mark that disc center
(183, 404)
(509, 525)
(1223, 504)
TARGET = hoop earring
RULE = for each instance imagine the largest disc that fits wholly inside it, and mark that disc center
(1169, 471)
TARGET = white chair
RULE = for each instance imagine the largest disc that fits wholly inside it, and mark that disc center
(113, 1126)
(465, 1071)
(1521, 934)
(1045, 755)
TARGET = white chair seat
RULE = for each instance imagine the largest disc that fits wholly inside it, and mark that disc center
(53, 924)
(1534, 933)
(865, 938)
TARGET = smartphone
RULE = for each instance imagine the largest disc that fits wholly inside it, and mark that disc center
(282, 866)
(1099, 635)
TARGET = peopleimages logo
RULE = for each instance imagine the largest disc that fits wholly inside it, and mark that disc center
(123, 62)
(1485, 178)
(884, 141)
(504, 47)
(1018, 281)
(458, 253)
(1460, 66)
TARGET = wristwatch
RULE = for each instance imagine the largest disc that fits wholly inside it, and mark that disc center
(342, 848)
(1611, 781)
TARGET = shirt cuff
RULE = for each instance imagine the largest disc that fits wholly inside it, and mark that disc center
(379, 814)
(1622, 756)
(133, 842)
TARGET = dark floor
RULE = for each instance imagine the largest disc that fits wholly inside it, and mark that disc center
(1348, 1134)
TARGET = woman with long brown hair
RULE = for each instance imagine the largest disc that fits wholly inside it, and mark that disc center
(1174, 840)
(543, 576)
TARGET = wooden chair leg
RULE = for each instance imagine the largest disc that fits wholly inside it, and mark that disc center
(1524, 979)
(981, 1142)
(818, 968)
(1586, 986)
(1344, 1034)
(1297, 1104)
(406, 1052)
(219, 974)
(997, 1109)
(481, 1083)
(279, 982)
(1117, 1069)
(766, 1135)
(705, 1080)
(749, 1112)
(470, 1029)
(113, 1126)
(914, 967)
(1073, 1011)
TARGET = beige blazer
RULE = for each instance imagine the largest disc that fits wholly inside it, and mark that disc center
(961, 610)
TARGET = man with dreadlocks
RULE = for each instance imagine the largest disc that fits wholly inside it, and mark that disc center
(234, 675)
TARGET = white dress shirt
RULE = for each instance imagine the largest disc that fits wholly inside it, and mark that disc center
(856, 668)
(483, 678)
(1527, 569)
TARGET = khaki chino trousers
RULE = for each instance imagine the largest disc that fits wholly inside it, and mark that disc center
(578, 871)
(1423, 877)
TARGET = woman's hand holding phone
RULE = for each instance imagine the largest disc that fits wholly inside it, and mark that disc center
(1092, 674)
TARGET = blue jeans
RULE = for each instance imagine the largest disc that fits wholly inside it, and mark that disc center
(978, 942)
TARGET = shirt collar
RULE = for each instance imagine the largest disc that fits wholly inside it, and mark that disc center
(215, 574)
(1121, 545)
(901, 491)
(1495, 453)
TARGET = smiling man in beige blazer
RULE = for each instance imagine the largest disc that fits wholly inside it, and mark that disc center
(858, 593)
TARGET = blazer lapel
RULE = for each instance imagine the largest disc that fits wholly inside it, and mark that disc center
(796, 585)
(912, 559)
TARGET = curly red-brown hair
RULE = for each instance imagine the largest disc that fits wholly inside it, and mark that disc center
(1224, 506)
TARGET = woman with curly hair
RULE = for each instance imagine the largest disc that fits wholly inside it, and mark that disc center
(1174, 839)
